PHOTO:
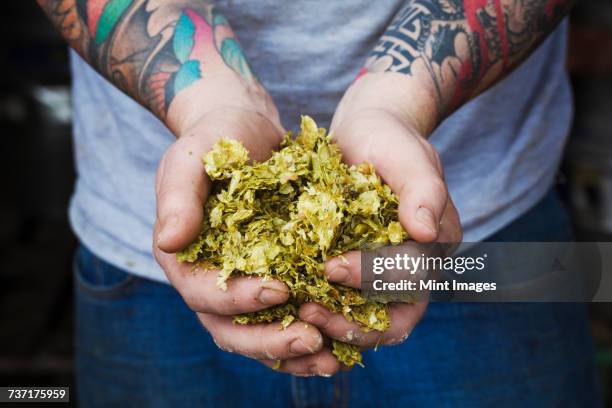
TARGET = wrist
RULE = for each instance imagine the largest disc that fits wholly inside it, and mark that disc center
(221, 95)
(393, 95)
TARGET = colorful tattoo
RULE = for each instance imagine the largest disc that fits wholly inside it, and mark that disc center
(459, 42)
(151, 49)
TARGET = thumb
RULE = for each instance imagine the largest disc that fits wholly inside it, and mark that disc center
(408, 164)
(182, 188)
(422, 200)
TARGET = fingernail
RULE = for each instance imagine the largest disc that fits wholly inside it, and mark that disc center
(340, 274)
(426, 217)
(317, 318)
(298, 347)
(270, 296)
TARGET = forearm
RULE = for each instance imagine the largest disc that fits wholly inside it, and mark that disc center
(178, 58)
(448, 51)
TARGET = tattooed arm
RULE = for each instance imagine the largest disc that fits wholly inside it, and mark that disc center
(453, 50)
(435, 55)
(162, 51)
(180, 59)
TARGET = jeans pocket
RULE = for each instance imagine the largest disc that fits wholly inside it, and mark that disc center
(99, 279)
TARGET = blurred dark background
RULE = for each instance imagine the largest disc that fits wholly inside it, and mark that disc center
(36, 243)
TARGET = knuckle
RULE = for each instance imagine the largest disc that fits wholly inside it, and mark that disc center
(433, 155)
(269, 349)
(193, 300)
(352, 335)
(431, 151)
(398, 337)
(437, 186)
(221, 344)
(165, 194)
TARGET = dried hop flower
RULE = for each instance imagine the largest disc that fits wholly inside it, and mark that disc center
(284, 217)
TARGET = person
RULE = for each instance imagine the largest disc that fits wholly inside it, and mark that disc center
(475, 87)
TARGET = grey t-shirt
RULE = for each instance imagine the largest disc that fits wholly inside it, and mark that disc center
(500, 151)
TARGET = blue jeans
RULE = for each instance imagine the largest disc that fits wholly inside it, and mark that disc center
(138, 345)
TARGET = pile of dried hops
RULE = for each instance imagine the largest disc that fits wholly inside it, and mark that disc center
(284, 217)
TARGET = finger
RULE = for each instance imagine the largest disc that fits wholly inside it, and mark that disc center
(263, 341)
(198, 287)
(323, 364)
(336, 326)
(182, 185)
(404, 318)
(408, 164)
(345, 269)
(450, 226)
(422, 203)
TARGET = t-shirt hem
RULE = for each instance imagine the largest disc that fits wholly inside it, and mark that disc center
(507, 216)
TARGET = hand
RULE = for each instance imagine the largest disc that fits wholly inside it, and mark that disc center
(182, 188)
(370, 127)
